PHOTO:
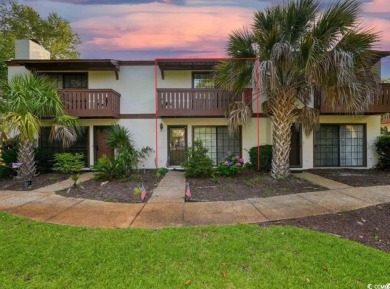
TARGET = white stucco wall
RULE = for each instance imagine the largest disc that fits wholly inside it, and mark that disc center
(135, 84)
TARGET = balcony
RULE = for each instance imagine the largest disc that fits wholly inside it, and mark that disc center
(380, 105)
(194, 102)
(91, 103)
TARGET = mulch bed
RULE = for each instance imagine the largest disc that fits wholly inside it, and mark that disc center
(42, 180)
(355, 177)
(247, 184)
(369, 226)
(118, 191)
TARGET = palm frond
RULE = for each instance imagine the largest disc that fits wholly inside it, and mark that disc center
(238, 113)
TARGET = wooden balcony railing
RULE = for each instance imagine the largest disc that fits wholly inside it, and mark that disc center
(191, 102)
(381, 104)
(91, 103)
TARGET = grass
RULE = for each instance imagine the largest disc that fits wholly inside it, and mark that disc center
(39, 255)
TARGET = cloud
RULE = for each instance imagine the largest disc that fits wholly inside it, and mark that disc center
(114, 2)
(179, 28)
(380, 6)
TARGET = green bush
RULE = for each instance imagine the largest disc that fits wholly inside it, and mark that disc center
(382, 145)
(105, 169)
(161, 172)
(68, 163)
(198, 164)
(231, 165)
(265, 157)
(9, 154)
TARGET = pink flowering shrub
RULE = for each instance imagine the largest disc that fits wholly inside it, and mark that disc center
(231, 165)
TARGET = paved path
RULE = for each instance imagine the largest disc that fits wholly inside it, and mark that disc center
(167, 207)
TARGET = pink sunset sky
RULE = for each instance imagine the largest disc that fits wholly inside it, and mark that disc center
(147, 29)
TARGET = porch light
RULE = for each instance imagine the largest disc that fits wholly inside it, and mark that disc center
(161, 126)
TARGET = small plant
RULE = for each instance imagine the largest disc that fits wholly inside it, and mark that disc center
(161, 172)
(231, 165)
(198, 164)
(253, 181)
(68, 163)
(137, 191)
(105, 169)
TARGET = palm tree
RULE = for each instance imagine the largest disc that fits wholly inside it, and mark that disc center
(302, 49)
(30, 101)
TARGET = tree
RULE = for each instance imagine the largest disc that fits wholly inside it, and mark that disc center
(302, 49)
(19, 21)
(30, 101)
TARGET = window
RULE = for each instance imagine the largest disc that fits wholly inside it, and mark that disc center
(47, 149)
(69, 80)
(202, 80)
(218, 141)
(340, 145)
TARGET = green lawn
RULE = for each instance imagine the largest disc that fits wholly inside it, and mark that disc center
(38, 255)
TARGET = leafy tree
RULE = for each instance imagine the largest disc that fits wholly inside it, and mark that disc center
(18, 21)
(29, 101)
(302, 49)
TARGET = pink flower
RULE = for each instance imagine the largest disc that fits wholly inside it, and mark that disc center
(226, 163)
(241, 160)
(237, 157)
(238, 164)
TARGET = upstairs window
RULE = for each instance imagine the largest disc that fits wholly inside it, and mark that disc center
(203, 80)
(69, 80)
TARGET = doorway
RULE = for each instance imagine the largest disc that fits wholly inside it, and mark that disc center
(295, 146)
(101, 147)
(177, 144)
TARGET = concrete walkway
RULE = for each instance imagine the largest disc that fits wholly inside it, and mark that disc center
(167, 208)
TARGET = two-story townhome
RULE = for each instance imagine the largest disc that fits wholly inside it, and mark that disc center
(166, 104)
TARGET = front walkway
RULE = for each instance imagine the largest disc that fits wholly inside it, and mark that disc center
(167, 207)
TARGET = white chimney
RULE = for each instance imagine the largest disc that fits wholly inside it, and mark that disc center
(30, 49)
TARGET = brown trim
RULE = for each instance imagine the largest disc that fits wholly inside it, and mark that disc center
(137, 116)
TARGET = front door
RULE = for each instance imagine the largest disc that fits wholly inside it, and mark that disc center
(295, 151)
(177, 144)
(101, 147)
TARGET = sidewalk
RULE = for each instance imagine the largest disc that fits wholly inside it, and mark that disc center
(167, 208)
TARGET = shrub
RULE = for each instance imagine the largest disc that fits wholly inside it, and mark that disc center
(68, 163)
(198, 164)
(105, 169)
(382, 145)
(161, 172)
(265, 157)
(9, 154)
(231, 165)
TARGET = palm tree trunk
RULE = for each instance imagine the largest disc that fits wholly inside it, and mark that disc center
(26, 156)
(282, 119)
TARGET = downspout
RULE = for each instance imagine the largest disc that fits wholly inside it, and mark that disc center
(156, 110)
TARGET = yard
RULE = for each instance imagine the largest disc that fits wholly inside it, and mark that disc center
(38, 255)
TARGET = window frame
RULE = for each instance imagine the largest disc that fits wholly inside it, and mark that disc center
(209, 72)
(216, 127)
(339, 139)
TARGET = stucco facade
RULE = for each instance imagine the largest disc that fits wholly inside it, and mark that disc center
(136, 83)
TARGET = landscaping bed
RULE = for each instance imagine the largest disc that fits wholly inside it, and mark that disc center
(119, 191)
(368, 226)
(355, 177)
(247, 184)
(42, 180)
